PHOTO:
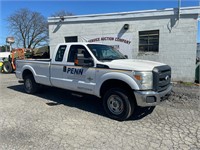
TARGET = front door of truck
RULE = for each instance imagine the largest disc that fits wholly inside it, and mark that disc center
(78, 78)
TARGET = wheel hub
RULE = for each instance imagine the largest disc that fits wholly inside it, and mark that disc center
(115, 104)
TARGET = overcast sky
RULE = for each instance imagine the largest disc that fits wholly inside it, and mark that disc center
(78, 7)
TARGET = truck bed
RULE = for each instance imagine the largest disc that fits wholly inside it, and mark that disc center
(39, 67)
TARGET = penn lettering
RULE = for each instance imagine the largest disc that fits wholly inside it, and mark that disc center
(68, 70)
(74, 71)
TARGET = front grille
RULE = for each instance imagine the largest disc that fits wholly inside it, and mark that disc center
(161, 78)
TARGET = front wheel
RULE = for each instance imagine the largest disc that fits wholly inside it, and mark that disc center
(30, 85)
(118, 104)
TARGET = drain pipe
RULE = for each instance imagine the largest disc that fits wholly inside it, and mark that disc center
(179, 9)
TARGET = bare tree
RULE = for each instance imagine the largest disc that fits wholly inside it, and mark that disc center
(62, 13)
(30, 28)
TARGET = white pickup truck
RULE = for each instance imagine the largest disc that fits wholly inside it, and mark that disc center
(102, 71)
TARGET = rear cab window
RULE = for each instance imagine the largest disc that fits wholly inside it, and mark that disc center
(60, 53)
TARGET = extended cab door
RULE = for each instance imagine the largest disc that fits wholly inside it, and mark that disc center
(79, 78)
(57, 65)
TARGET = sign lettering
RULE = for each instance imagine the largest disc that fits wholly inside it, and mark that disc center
(74, 71)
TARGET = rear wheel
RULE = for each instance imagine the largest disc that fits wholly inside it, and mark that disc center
(30, 85)
(7, 67)
(118, 104)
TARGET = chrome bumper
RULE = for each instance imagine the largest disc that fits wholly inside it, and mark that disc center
(151, 98)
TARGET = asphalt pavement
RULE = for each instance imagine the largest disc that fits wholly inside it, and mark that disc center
(56, 119)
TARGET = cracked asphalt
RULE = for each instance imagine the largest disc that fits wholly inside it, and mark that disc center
(55, 119)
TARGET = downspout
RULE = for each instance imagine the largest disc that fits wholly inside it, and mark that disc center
(179, 9)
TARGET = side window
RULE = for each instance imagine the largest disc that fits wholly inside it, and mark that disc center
(71, 39)
(60, 53)
(74, 49)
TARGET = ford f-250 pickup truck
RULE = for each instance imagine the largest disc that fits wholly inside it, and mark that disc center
(102, 71)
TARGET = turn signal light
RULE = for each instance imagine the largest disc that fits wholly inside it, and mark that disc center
(138, 77)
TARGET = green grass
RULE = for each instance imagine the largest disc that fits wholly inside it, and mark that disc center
(186, 83)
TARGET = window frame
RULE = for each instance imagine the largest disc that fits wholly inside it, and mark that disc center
(68, 57)
(69, 39)
(151, 37)
(63, 53)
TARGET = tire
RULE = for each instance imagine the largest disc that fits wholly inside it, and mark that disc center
(7, 67)
(118, 104)
(30, 85)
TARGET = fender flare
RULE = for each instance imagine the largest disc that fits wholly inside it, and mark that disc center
(27, 67)
(117, 76)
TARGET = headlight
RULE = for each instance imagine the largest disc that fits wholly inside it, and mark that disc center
(145, 79)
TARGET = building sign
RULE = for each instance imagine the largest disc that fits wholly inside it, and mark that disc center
(122, 43)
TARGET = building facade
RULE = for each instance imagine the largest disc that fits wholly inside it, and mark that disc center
(168, 35)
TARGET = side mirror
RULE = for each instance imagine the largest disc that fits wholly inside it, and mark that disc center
(80, 60)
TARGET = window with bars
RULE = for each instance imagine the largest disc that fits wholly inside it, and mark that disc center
(149, 41)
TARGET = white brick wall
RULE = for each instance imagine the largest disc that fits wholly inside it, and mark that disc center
(177, 47)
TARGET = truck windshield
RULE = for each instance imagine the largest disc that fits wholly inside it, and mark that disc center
(105, 52)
